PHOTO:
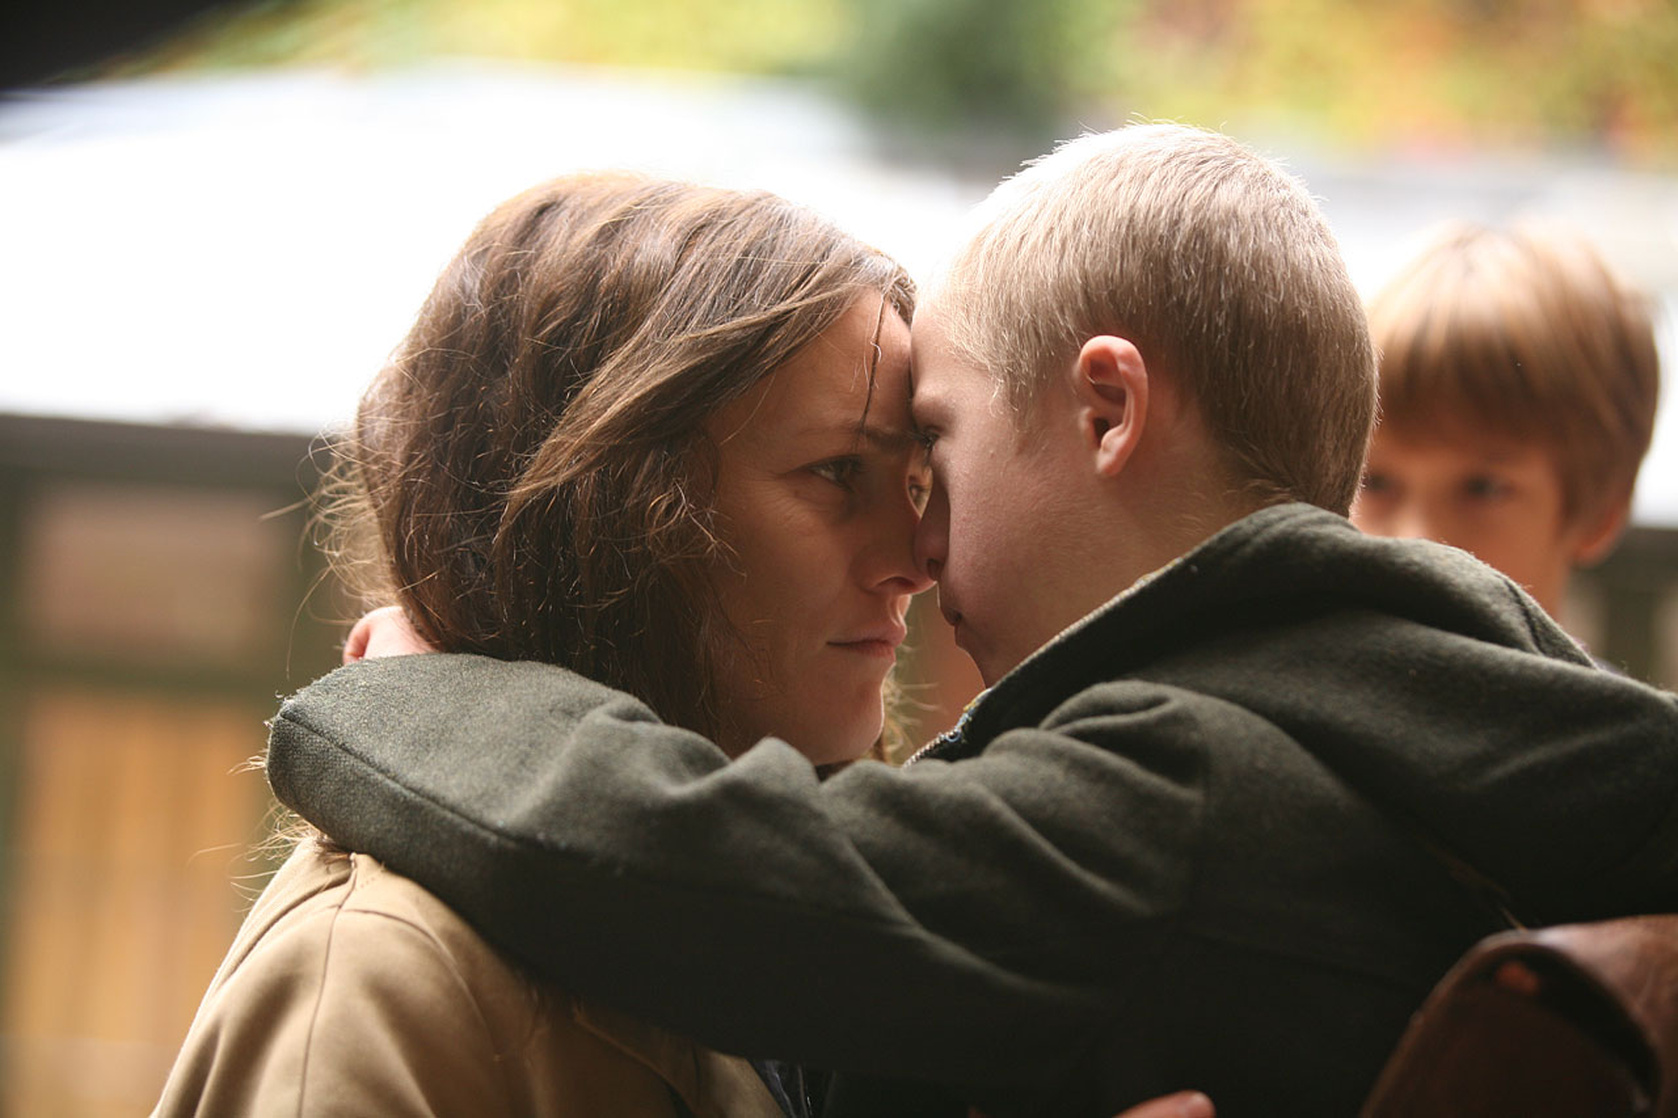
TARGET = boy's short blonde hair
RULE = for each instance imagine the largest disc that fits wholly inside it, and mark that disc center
(1214, 262)
(1528, 333)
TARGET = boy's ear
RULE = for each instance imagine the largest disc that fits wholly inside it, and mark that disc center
(1110, 381)
(1599, 533)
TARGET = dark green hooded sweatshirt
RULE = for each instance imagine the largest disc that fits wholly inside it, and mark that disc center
(1224, 833)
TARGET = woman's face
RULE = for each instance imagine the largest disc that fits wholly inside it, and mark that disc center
(818, 507)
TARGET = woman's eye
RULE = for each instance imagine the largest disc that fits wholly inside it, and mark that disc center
(1376, 483)
(920, 491)
(840, 471)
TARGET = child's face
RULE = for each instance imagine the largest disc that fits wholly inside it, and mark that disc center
(994, 532)
(1497, 497)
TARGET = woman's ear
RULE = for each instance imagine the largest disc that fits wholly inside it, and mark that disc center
(355, 646)
(384, 632)
(1111, 386)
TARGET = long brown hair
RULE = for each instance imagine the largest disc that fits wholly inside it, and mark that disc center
(529, 477)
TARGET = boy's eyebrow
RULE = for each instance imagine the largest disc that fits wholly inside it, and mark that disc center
(1498, 455)
(923, 411)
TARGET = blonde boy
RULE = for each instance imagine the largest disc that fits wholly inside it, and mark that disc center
(1206, 828)
(1518, 386)
(1117, 324)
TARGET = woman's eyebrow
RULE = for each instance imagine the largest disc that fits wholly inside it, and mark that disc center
(875, 435)
(888, 438)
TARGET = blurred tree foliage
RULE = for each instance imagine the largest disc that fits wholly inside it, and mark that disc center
(1417, 73)
(978, 64)
(747, 36)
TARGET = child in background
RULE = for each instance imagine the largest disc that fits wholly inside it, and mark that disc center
(1518, 387)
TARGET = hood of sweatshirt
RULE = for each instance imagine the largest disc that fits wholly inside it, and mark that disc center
(1425, 680)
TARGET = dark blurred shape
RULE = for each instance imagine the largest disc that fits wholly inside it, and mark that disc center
(44, 42)
(993, 72)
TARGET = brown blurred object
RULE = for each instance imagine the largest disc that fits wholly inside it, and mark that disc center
(150, 585)
(133, 817)
(935, 677)
(1568, 1021)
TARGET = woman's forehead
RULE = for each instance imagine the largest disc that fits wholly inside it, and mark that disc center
(853, 378)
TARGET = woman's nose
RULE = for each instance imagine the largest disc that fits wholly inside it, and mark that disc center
(897, 568)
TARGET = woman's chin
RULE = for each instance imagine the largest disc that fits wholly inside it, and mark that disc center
(829, 733)
(841, 746)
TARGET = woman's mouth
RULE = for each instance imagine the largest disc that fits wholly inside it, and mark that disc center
(880, 642)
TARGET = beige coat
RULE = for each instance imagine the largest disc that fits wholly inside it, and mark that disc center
(351, 990)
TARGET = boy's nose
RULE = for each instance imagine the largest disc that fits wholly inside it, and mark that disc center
(891, 561)
(902, 571)
(932, 534)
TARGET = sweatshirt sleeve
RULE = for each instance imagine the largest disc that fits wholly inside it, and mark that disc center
(949, 921)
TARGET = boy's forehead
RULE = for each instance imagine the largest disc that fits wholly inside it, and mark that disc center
(947, 388)
(931, 358)
(939, 367)
(1464, 429)
(926, 329)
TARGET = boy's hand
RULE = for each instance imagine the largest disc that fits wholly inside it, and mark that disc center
(1184, 1104)
(384, 632)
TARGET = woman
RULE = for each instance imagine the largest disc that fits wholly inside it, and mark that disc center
(657, 433)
